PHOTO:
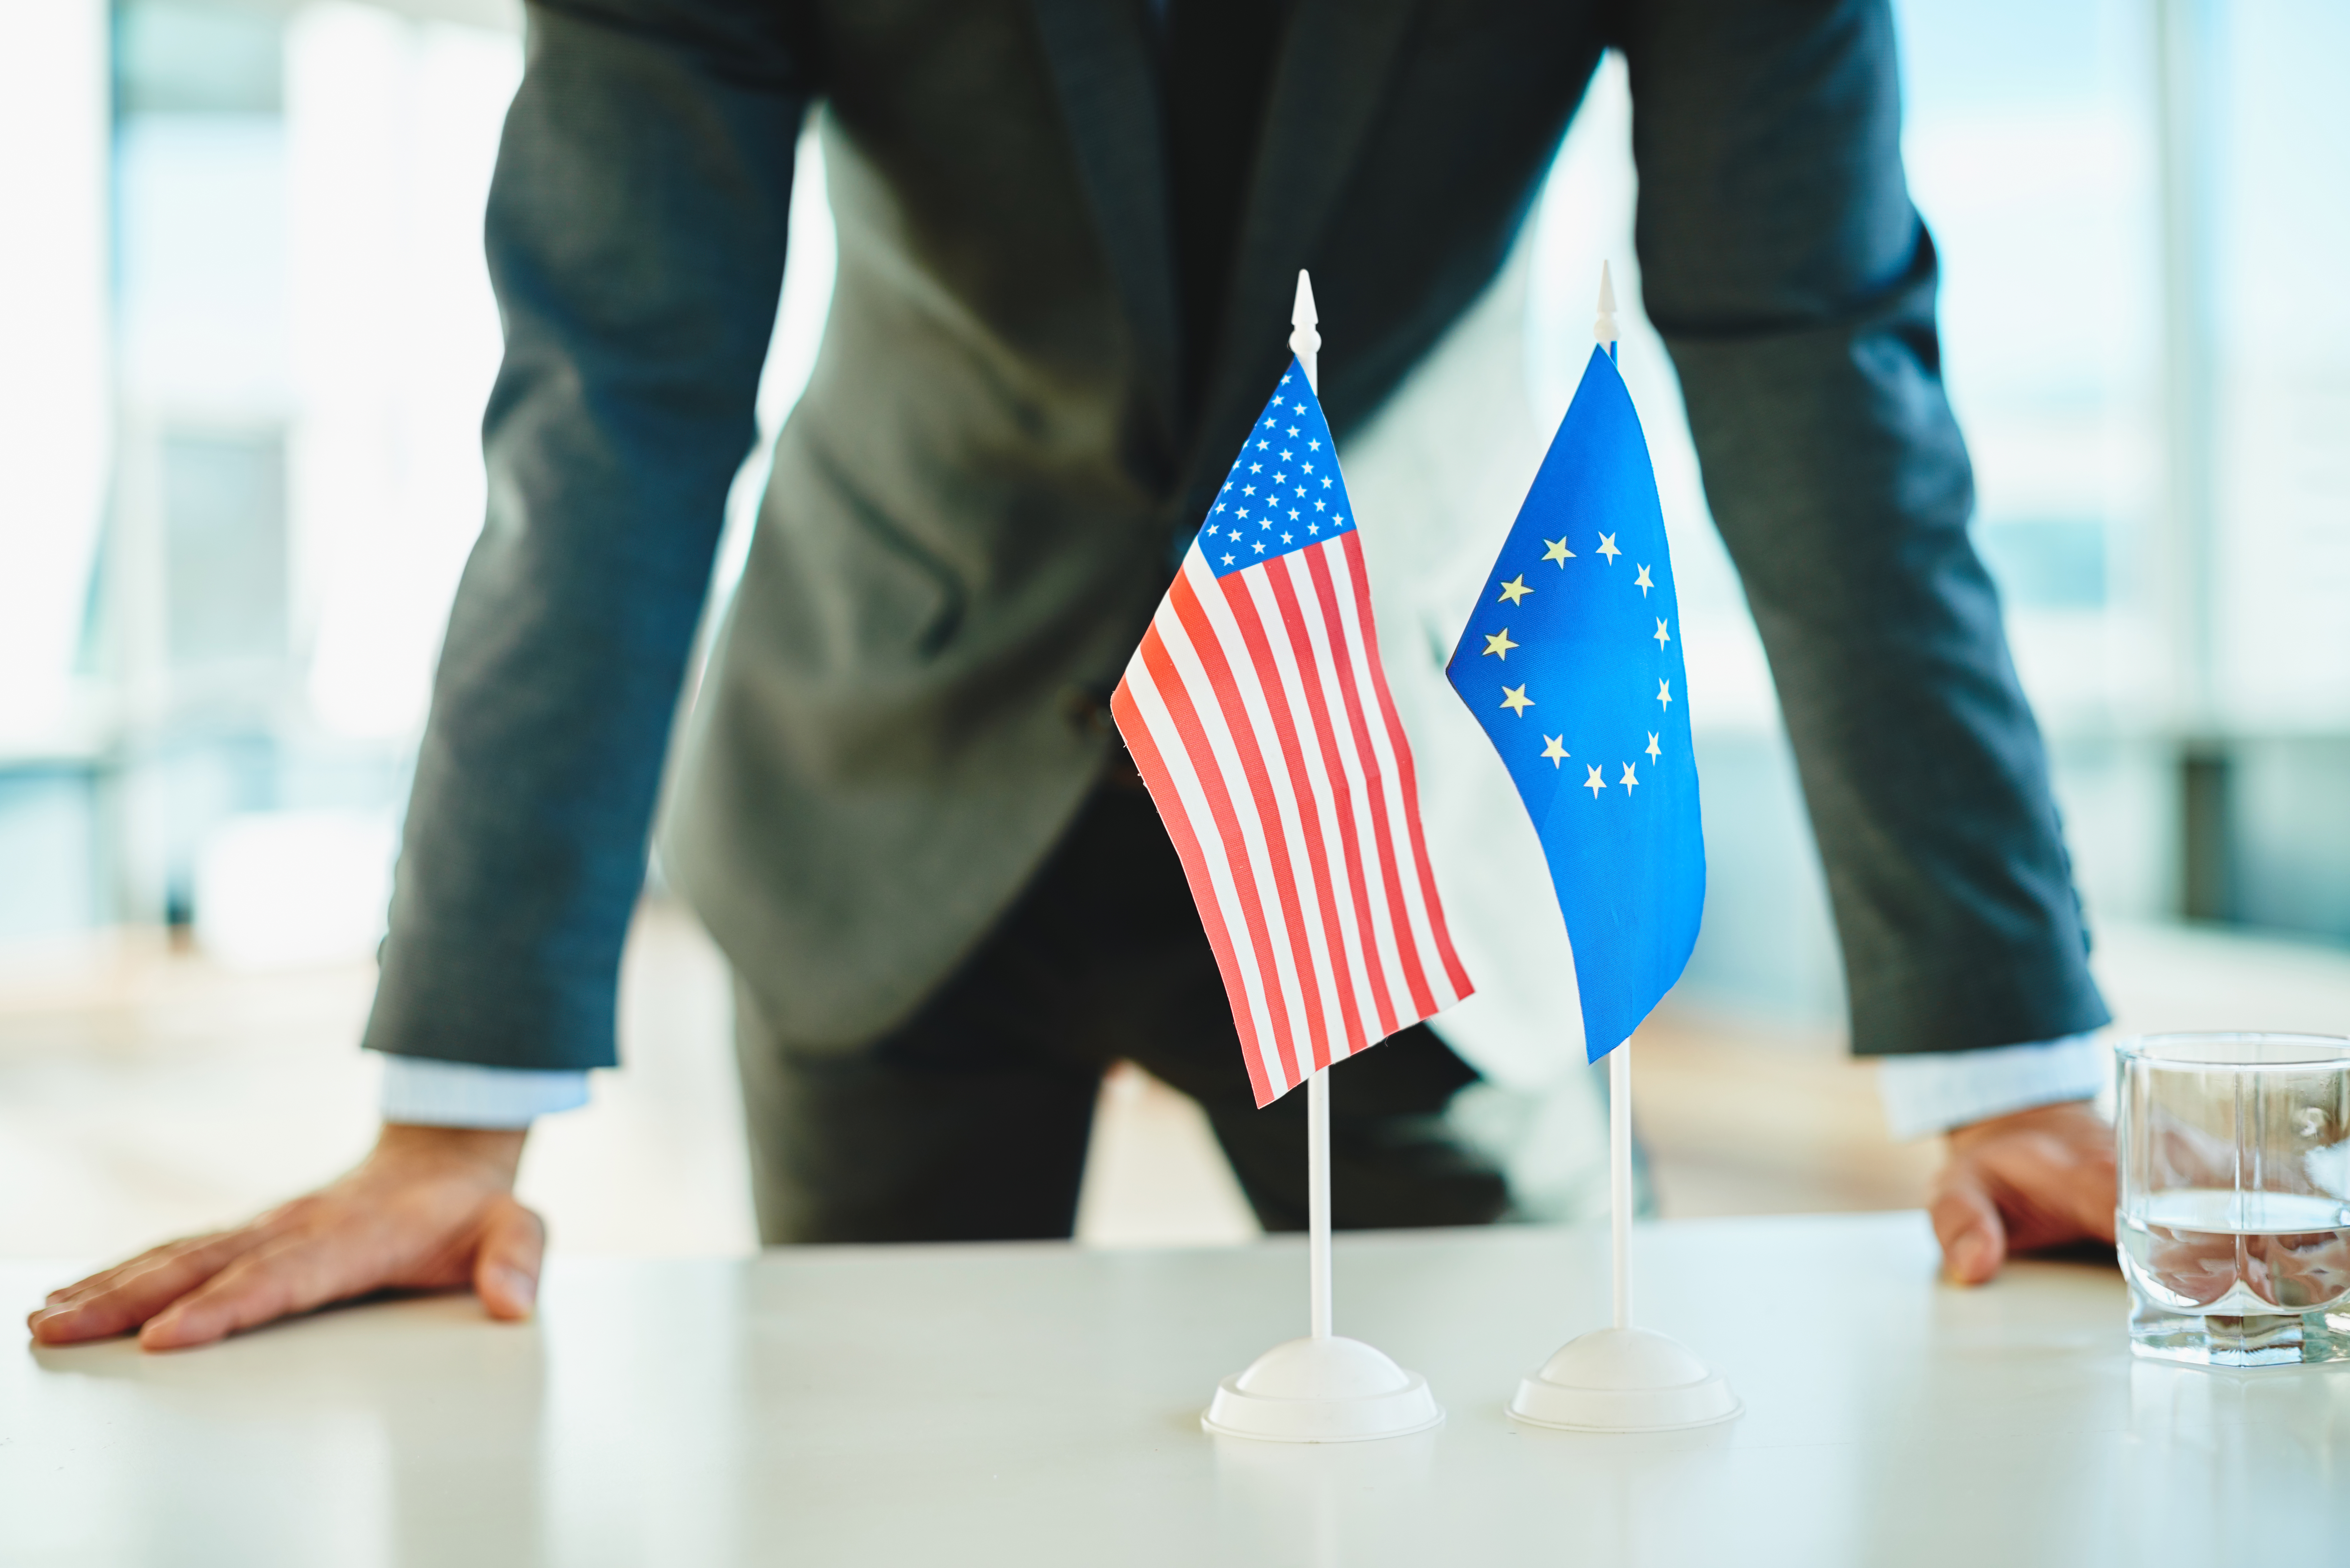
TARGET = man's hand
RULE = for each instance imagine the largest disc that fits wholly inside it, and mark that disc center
(2016, 1183)
(430, 1208)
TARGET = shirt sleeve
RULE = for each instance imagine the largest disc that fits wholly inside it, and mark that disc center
(1925, 1095)
(421, 1091)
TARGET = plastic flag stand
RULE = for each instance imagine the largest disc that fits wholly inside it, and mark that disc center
(1321, 1389)
(1623, 1379)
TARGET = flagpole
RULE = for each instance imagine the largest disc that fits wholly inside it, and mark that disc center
(1602, 324)
(1620, 1061)
(1321, 1388)
(1306, 343)
(1619, 1175)
(1318, 1199)
(1621, 1379)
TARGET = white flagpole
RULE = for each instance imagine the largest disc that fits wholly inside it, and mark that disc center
(1317, 1199)
(1306, 344)
(1603, 325)
(1620, 1061)
(1619, 1175)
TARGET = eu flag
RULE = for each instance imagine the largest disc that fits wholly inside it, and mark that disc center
(1572, 663)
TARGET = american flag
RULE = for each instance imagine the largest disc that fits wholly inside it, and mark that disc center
(1258, 716)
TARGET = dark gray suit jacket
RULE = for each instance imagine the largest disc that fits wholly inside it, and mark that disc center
(976, 503)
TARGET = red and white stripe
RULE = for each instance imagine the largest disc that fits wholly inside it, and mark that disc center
(1258, 714)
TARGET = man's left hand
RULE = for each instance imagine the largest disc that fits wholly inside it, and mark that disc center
(2016, 1183)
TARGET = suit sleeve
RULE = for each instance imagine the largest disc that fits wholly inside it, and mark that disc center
(636, 231)
(1794, 283)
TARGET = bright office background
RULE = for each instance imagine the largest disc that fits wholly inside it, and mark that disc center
(245, 335)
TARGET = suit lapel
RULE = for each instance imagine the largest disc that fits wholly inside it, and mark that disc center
(1110, 90)
(1326, 90)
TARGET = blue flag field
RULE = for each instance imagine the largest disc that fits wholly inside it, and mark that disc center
(1572, 663)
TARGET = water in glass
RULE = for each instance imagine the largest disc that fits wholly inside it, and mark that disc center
(2234, 1218)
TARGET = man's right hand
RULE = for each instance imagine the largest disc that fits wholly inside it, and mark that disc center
(430, 1208)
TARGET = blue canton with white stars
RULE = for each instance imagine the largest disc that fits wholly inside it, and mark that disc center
(1572, 665)
(1285, 491)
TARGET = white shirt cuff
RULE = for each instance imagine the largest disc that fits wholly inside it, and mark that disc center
(424, 1092)
(1932, 1093)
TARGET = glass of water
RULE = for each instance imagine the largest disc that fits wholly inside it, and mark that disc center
(2235, 1197)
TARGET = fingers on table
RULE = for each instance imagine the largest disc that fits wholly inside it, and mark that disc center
(2091, 1189)
(83, 1288)
(1967, 1222)
(307, 1270)
(2051, 1188)
(127, 1294)
(292, 1275)
(506, 1269)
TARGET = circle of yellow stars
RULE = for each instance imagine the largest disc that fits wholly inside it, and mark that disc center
(1498, 645)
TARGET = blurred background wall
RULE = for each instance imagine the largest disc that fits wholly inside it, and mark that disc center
(245, 335)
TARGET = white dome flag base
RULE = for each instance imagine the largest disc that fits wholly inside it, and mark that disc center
(1329, 1390)
(1623, 1379)
(1321, 1389)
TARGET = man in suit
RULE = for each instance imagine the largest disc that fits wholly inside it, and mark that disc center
(1068, 232)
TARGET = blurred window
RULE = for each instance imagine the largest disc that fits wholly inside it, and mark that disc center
(241, 378)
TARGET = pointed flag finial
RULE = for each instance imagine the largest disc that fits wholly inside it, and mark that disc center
(1304, 342)
(1603, 327)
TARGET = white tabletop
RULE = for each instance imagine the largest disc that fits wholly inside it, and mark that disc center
(1039, 1404)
